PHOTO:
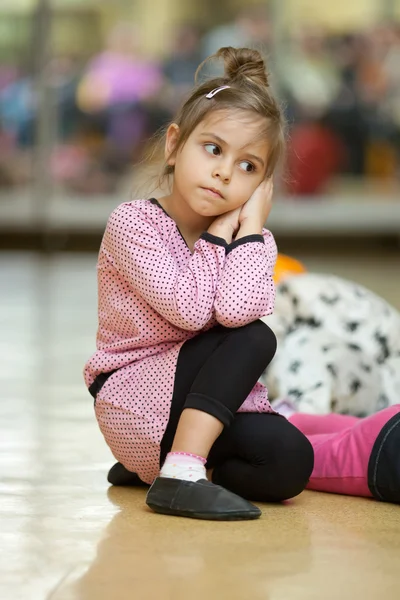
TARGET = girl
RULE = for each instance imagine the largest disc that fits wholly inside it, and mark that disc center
(183, 282)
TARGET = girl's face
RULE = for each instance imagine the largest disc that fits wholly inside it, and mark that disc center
(221, 163)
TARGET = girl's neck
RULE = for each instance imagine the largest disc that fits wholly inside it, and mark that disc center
(190, 224)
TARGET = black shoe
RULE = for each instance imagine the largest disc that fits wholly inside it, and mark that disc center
(118, 475)
(198, 500)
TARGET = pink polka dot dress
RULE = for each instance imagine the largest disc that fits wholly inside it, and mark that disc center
(154, 294)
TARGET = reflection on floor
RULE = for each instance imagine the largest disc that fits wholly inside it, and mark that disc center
(66, 536)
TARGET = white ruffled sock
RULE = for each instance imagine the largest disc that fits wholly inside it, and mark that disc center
(183, 465)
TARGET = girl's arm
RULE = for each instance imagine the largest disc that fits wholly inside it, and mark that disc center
(185, 297)
(245, 290)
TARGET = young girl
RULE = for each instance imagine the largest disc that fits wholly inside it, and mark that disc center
(183, 282)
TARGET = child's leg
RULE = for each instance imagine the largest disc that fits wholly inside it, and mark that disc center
(262, 457)
(342, 458)
(215, 374)
(312, 424)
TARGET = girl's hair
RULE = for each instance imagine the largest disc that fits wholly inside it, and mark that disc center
(245, 73)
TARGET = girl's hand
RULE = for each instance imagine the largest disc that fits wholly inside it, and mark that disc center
(257, 208)
(226, 225)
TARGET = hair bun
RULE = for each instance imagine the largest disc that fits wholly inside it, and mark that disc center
(243, 63)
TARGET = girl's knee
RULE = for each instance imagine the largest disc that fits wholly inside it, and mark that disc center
(296, 467)
(290, 462)
(272, 473)
(260, 338)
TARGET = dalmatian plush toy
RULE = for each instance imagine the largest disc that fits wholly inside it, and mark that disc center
(338, 347)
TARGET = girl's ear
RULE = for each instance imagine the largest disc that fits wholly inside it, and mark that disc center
(171, 141)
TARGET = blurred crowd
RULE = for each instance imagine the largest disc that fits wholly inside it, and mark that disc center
(341, 94)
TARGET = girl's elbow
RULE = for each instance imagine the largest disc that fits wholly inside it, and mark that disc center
(193, 323)
(230, 320)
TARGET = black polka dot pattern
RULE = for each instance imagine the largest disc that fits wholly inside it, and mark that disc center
(154, 294)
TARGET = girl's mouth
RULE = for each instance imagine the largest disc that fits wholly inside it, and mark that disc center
(215, 193)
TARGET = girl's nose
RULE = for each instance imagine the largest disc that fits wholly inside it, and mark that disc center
(222, 172)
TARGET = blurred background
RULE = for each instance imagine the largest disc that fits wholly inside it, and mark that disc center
(85, 83)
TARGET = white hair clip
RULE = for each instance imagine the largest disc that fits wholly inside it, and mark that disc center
(216, 90)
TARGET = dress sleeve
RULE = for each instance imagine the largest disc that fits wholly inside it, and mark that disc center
(246, 290)
(185, 297)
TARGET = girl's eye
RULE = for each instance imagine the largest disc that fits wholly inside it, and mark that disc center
(212, 149)
(247, 166)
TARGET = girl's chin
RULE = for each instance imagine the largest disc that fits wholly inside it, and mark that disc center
(206, 211)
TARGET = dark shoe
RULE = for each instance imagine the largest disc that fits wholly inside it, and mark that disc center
(118, 475)
(198, 500)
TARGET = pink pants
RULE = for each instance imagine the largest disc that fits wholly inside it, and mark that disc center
(342, 448)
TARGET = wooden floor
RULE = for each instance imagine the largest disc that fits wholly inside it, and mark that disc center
(65, 535)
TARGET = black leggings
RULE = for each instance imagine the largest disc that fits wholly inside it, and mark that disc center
(259, 456)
